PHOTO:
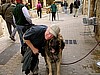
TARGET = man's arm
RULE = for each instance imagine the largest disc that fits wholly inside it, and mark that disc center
(26, 14)
(0, 10)
(35, 50)
(14, 20)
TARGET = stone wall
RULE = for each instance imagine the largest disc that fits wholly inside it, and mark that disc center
(85, 7)
(92, 6)
(97, 34)
(91, 14)
(1, 29)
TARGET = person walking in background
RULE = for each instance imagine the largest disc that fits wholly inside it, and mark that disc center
(39, 9)
(6, 12)
(76, 7)
(62, 7)
(71, 8)
(22, 20)
(65, 6)
(53, 10)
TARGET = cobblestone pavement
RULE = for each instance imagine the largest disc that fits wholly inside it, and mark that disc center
(72, 28)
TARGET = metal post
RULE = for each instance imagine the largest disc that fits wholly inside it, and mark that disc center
(57, 15)
(88, 8)
(49, 15)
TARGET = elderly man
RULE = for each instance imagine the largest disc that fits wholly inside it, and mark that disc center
(36, 38)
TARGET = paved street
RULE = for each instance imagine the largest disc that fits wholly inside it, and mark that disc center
(79, 41)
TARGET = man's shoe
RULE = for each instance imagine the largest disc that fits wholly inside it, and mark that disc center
(12, 38)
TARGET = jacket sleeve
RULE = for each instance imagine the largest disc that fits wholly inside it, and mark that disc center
(26, 14)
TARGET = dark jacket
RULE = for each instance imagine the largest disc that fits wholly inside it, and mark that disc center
(76, 4)
(65, 5)
(71, 6)
(53, 8)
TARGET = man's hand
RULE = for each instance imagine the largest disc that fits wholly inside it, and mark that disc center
(35, 51)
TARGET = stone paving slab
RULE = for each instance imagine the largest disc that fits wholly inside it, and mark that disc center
(11, 65)
(8, 53)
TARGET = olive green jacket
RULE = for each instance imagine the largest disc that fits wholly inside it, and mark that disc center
(7, 13)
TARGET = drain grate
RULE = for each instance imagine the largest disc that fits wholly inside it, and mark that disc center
(70, 42)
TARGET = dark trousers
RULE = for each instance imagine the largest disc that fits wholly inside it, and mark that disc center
(53, 16)
(9, 26)
(71, 10)
(39, 12)
(20, 32)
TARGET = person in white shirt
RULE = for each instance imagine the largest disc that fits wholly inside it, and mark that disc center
(22, 19)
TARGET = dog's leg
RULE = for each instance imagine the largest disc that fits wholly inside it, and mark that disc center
(49, 66)
(59, 62)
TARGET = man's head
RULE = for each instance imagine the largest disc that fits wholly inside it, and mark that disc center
(52, 31)
(39, 2)
(53, 2)
(18, 1)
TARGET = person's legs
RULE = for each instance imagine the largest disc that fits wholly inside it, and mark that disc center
(10, 30)
(40, 13)
(20, 32)
(9, 27)
(54, 15)
(70, 10)
(14, 31)
(75, 11)
(34, 64)
(65, 9)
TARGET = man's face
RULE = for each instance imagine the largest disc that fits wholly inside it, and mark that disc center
(48, 35)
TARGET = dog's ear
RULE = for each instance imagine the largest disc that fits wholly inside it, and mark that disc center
(62, 44)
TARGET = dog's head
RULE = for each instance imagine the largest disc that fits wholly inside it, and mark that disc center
(55, 45)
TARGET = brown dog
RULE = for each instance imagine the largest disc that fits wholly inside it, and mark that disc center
(53, 51)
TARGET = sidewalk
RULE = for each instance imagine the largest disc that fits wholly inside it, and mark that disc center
(72, 28)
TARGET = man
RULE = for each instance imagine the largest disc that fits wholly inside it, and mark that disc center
(22, 19)
(71, 8)
(36, 38)
(6, 12)
(76, 7)
(65, 6)
(53, 10)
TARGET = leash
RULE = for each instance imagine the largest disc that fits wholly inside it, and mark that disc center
(82, 57)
